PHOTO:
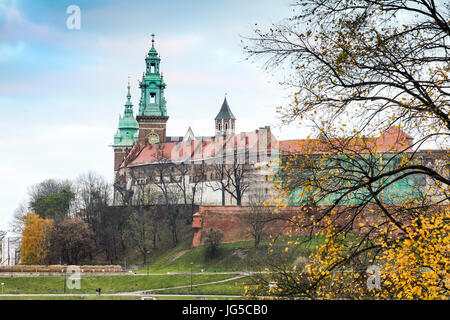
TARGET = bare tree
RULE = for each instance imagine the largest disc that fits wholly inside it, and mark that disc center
(189, 179)
(72, 242)
(219, 183)
(17, 223)
(163, 177)
(93, 193)
(231, 177)
(112, 232)
(47, 187)
(145, 219)
(259, 217)
(122, 193)
(180, 176)
(197, 184)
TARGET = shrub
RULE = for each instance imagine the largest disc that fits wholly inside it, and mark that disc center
(212, 239)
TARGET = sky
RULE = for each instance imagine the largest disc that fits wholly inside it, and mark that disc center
(62, 90)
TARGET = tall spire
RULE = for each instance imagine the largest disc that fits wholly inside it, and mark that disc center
(127, 132)
(129, 104)
(129, 94)
(153, 40)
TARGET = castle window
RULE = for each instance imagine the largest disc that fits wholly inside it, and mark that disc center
(226, 126)
(152, 68)
(152, 97)
(232, 126)
(220, 126)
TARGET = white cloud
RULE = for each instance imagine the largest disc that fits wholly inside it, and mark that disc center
(15, 26)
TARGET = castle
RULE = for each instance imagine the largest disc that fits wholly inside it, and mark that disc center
(226, 168)
(221, 169)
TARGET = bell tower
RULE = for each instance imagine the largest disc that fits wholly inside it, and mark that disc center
(127, 133)
(152, 115)
(225, 120)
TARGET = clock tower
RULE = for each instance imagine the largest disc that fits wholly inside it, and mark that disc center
(152, 115)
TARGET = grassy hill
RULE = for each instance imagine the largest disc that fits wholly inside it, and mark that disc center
(231, 257)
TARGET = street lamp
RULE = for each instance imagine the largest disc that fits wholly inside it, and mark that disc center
(191, 274)
(148, 263)
(62, 270)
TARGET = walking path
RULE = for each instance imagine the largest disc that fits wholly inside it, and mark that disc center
(141, 292)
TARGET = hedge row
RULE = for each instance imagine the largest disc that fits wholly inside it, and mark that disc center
(59, 268)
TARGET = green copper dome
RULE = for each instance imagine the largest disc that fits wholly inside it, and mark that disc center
(128, 131)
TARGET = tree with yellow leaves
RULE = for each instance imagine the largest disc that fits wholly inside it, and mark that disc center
(363, 78)
(35, 239)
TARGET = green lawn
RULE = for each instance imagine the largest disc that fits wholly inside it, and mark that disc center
(108, 284)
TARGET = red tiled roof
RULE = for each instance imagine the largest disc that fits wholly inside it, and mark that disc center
(254, 141)
(393, 140)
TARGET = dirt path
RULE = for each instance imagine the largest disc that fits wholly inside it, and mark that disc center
(179, 254)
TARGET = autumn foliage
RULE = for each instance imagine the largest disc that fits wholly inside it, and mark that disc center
(35, 239)
(362, 69)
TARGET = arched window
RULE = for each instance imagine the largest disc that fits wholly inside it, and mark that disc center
(220, 126)
(226, 125)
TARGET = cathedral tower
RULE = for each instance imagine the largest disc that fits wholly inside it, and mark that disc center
(127, 133)
(225, 120)
(152, 115)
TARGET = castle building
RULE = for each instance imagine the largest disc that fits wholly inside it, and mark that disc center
(141, 145)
